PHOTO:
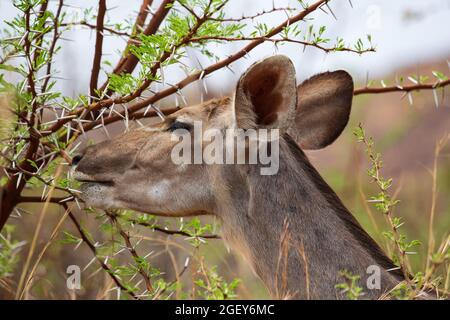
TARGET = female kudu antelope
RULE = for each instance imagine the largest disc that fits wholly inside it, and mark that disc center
(291, 226)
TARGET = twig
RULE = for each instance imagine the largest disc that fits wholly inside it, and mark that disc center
(42, 252)
(254, 16)
(94, 26)
(191, 78)
(398, 88)
(177, 277)
(51, 50)
(12, 190)
(94, 251)
(42, 215)
(127, 64)
(387, 212)
(284, 39)
(359, 91)
(170, 232)
(132, 250)
(431, 241)
(98, 48)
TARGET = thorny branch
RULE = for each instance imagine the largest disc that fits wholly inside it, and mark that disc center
(172, 232)
(132, 250)
(98, 47)
(92, 247)
(400, 88)
(135, 103)
(94, 26)
(387, 203)
(13, 188)
(144, 102)
(45, 142)
(280, 40)
(130, 61)
(156, 292)
(52, 48)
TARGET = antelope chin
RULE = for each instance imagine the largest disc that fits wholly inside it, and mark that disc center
(97, 194)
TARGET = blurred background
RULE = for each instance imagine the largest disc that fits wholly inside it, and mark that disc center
(411, 37)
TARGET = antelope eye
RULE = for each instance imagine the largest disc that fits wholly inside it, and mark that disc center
(179, 125)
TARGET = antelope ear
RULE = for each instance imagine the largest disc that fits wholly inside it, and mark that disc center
(323, 109)
(266, 95)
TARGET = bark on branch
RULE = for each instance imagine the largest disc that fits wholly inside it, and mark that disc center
(98, 48)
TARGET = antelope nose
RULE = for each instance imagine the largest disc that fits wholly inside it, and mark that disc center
(76, 159)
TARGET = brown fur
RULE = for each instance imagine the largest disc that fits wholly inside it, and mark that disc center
(292, 228)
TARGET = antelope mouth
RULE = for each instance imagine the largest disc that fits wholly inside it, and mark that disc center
(102, 182)
(95, 192)
(85, 179)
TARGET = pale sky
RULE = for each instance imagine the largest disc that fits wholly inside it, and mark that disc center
(405, 32)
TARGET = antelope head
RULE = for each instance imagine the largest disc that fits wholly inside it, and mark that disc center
(136, 170)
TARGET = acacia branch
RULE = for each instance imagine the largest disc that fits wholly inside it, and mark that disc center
(61, 200)
(132, 250)
(177, 277)
(170, 232)
(284, 39)
(254, 16)
(13, 188)
(199, 74)
(137, 29)
(93, 26)
(130, 61)
(359, 91)
(92, 247)
(94, 107)
(98, 48)
(13, 52)
(55, 200)
(142, 16)
(51, 50)
(399, 88)
(366, 90)
(40, 14)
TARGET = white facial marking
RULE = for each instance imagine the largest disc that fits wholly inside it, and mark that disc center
(159, 190)
(150, 129)
(184, 118)
(181, 167)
